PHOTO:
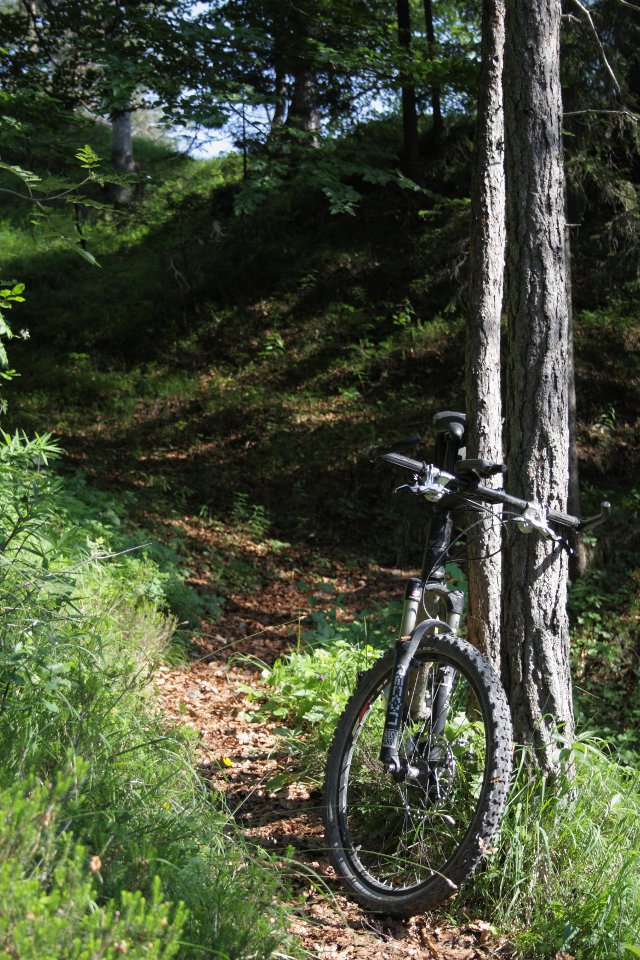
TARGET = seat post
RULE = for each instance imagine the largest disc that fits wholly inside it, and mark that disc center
(450, 430)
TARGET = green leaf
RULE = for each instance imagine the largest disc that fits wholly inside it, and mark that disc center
(88, 158)
(25, 175)
(279, 781)
(89, 257)
(59, 667)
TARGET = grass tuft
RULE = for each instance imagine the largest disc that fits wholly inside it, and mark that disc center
(567, 875)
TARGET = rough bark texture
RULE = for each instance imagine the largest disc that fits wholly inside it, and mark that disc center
(535, 635)
(484, 406)
(409, 109)
(31, 7)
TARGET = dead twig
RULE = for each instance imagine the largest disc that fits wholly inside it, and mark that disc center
(587, 15)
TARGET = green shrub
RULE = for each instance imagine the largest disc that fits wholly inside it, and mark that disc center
(50, 885)
(80, 636)
(306, 690)
(605, 609)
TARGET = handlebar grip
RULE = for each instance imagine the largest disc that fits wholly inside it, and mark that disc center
(576, 523)
(564, 519)
(398, 460)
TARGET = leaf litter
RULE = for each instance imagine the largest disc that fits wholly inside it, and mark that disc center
(240, 757)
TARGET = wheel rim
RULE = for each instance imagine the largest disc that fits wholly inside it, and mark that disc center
(399, 835)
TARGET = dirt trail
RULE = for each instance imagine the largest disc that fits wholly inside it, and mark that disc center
(240, 757)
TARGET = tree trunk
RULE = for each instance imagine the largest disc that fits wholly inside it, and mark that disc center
(436, 106)
(536, 636)
(410, 143)
(31, 7)
(121, 156)
(303, 110)
(484, 406)
(303, 113)
(280, 111)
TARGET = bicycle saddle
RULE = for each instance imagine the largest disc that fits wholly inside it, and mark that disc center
(449, 421)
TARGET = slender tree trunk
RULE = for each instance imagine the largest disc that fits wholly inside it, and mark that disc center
(536, 635)
(409, 109)
(436, 106)
(484, 406)
(122, 155)
(304, 112)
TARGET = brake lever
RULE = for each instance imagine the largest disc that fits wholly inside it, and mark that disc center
(564, 543)
(535, 517)
(412, 488)
(431, 485)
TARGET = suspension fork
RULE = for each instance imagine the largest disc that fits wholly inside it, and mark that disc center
(454, 601)
(405, 649)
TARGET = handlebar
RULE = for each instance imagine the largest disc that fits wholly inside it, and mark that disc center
(436, 484)
(399, 460)
(579, 523)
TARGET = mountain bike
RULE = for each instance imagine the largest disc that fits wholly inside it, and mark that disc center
(418, 773)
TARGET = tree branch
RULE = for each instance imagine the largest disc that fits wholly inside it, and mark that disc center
(585, 12)
(627, 114)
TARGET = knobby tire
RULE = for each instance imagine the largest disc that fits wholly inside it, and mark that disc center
(401, 847)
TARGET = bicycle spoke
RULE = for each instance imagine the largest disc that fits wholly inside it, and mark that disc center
(404, 832)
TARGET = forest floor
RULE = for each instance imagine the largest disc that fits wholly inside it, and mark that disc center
(265, 589)
(268, 594)
(239, 755)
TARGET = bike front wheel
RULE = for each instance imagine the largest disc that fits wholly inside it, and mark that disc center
(404, 844)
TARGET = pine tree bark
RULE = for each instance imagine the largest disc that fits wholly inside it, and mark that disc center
(484, 404)
(304, 112)
(280, 111)
(31, 7)
(535, 634)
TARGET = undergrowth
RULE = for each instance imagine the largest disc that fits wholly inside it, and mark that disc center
(605, 612)
(110, 843)
(306, 690)
(566, 874)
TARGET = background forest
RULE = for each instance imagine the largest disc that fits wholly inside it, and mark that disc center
(198, 350)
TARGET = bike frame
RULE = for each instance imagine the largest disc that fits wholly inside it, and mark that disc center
(416, 619)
